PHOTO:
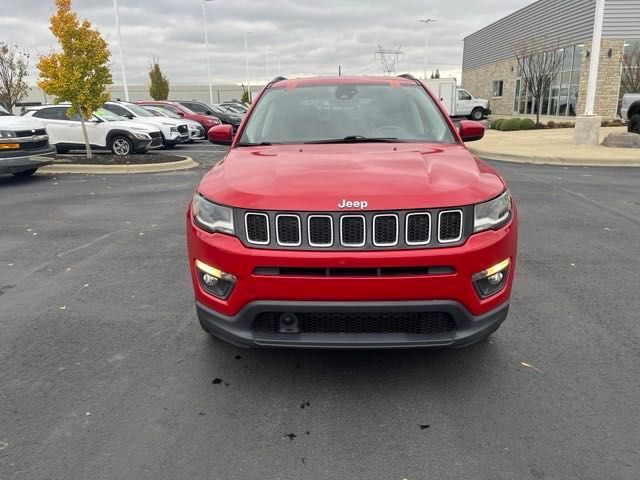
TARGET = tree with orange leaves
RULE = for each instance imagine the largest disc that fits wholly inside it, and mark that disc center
(79, 74)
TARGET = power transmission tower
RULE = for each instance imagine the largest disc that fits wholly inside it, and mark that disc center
(389, 58)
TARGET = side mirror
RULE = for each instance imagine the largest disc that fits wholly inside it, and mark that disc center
(129, 116)
(179, 113)
(208, 112)
(221, 134)
(471, 131)
(95, 120)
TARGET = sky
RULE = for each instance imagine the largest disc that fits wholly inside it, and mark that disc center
(294, 38)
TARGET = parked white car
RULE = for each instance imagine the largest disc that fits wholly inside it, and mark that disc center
(196, 130)
(23, 145)
(104, 130)
(173, 131)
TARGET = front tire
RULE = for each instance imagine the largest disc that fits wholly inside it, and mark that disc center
(634, 124)
(477, 114)
(121, 145)
(25, 173)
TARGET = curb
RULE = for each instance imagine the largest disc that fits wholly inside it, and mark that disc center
(185, 164)
(550, 160)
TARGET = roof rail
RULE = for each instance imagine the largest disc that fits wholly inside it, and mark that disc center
(408, 76)
(275, 80)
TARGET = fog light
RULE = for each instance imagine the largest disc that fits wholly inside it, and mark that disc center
(214, 281)
(496, 278)
(9, 146)
(492, 280)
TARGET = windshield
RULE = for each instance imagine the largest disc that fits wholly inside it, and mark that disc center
(107, 116)
(139, 111)
(348, 112)
(164, 112)
(3, 111)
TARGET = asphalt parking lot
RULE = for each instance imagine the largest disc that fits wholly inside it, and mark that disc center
(106, 374)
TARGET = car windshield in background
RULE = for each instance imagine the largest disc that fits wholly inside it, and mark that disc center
(165, 113)
(346, 113)
(139, 111)
(107, 116)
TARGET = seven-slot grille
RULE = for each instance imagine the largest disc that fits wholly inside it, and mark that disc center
(345, 231)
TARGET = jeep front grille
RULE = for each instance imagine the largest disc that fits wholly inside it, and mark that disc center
(349, 230)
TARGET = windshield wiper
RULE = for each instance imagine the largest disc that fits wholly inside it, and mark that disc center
(258, 144)
(357, 139)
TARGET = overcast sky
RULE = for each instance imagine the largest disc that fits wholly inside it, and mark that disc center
(305, 37)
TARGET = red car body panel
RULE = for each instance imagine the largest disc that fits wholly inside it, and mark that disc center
(315, 178)
(207, 121)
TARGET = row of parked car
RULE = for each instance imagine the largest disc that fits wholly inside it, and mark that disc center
(125, 127)
(122, 127)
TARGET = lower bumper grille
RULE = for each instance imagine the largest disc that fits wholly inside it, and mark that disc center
(417, 323)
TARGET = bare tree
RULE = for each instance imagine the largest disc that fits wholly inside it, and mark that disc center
(13, 71)
(631, 69)
(539, 62)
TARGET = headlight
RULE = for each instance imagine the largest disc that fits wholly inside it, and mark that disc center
(7, 134)
(211, 216)
(493, 213)
(141, 135)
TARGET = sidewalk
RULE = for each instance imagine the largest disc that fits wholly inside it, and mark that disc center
(552, 147)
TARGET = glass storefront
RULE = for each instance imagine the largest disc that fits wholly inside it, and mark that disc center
(562, 97)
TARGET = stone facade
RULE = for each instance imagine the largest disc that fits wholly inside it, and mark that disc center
(608, 86)
(479, 81)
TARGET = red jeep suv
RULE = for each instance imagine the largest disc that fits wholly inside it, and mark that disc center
(349, 214)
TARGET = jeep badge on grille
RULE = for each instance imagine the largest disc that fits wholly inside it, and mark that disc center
(361, 204)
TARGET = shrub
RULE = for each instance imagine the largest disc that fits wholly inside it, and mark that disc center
(495, 125)
(567, 124)
(552, 124)
(527, 124)
(510, 125)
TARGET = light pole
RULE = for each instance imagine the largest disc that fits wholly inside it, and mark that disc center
(124, 75)
(246, 62)
(587, 129)
(595, 58)
(206, 46)
(426, 22)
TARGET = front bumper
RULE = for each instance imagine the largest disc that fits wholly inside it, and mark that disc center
(452, 292)
(238, 329)
(21, 160)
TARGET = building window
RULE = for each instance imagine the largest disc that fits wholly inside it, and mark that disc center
(562, 97)
(497, 88)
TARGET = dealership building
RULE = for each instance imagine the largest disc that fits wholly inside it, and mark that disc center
(490, 69)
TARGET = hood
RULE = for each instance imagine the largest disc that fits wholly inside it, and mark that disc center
(318, 177)
(19, 123)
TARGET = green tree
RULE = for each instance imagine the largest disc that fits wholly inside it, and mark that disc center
(13, 70)
(158, 83)
(79, 74)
